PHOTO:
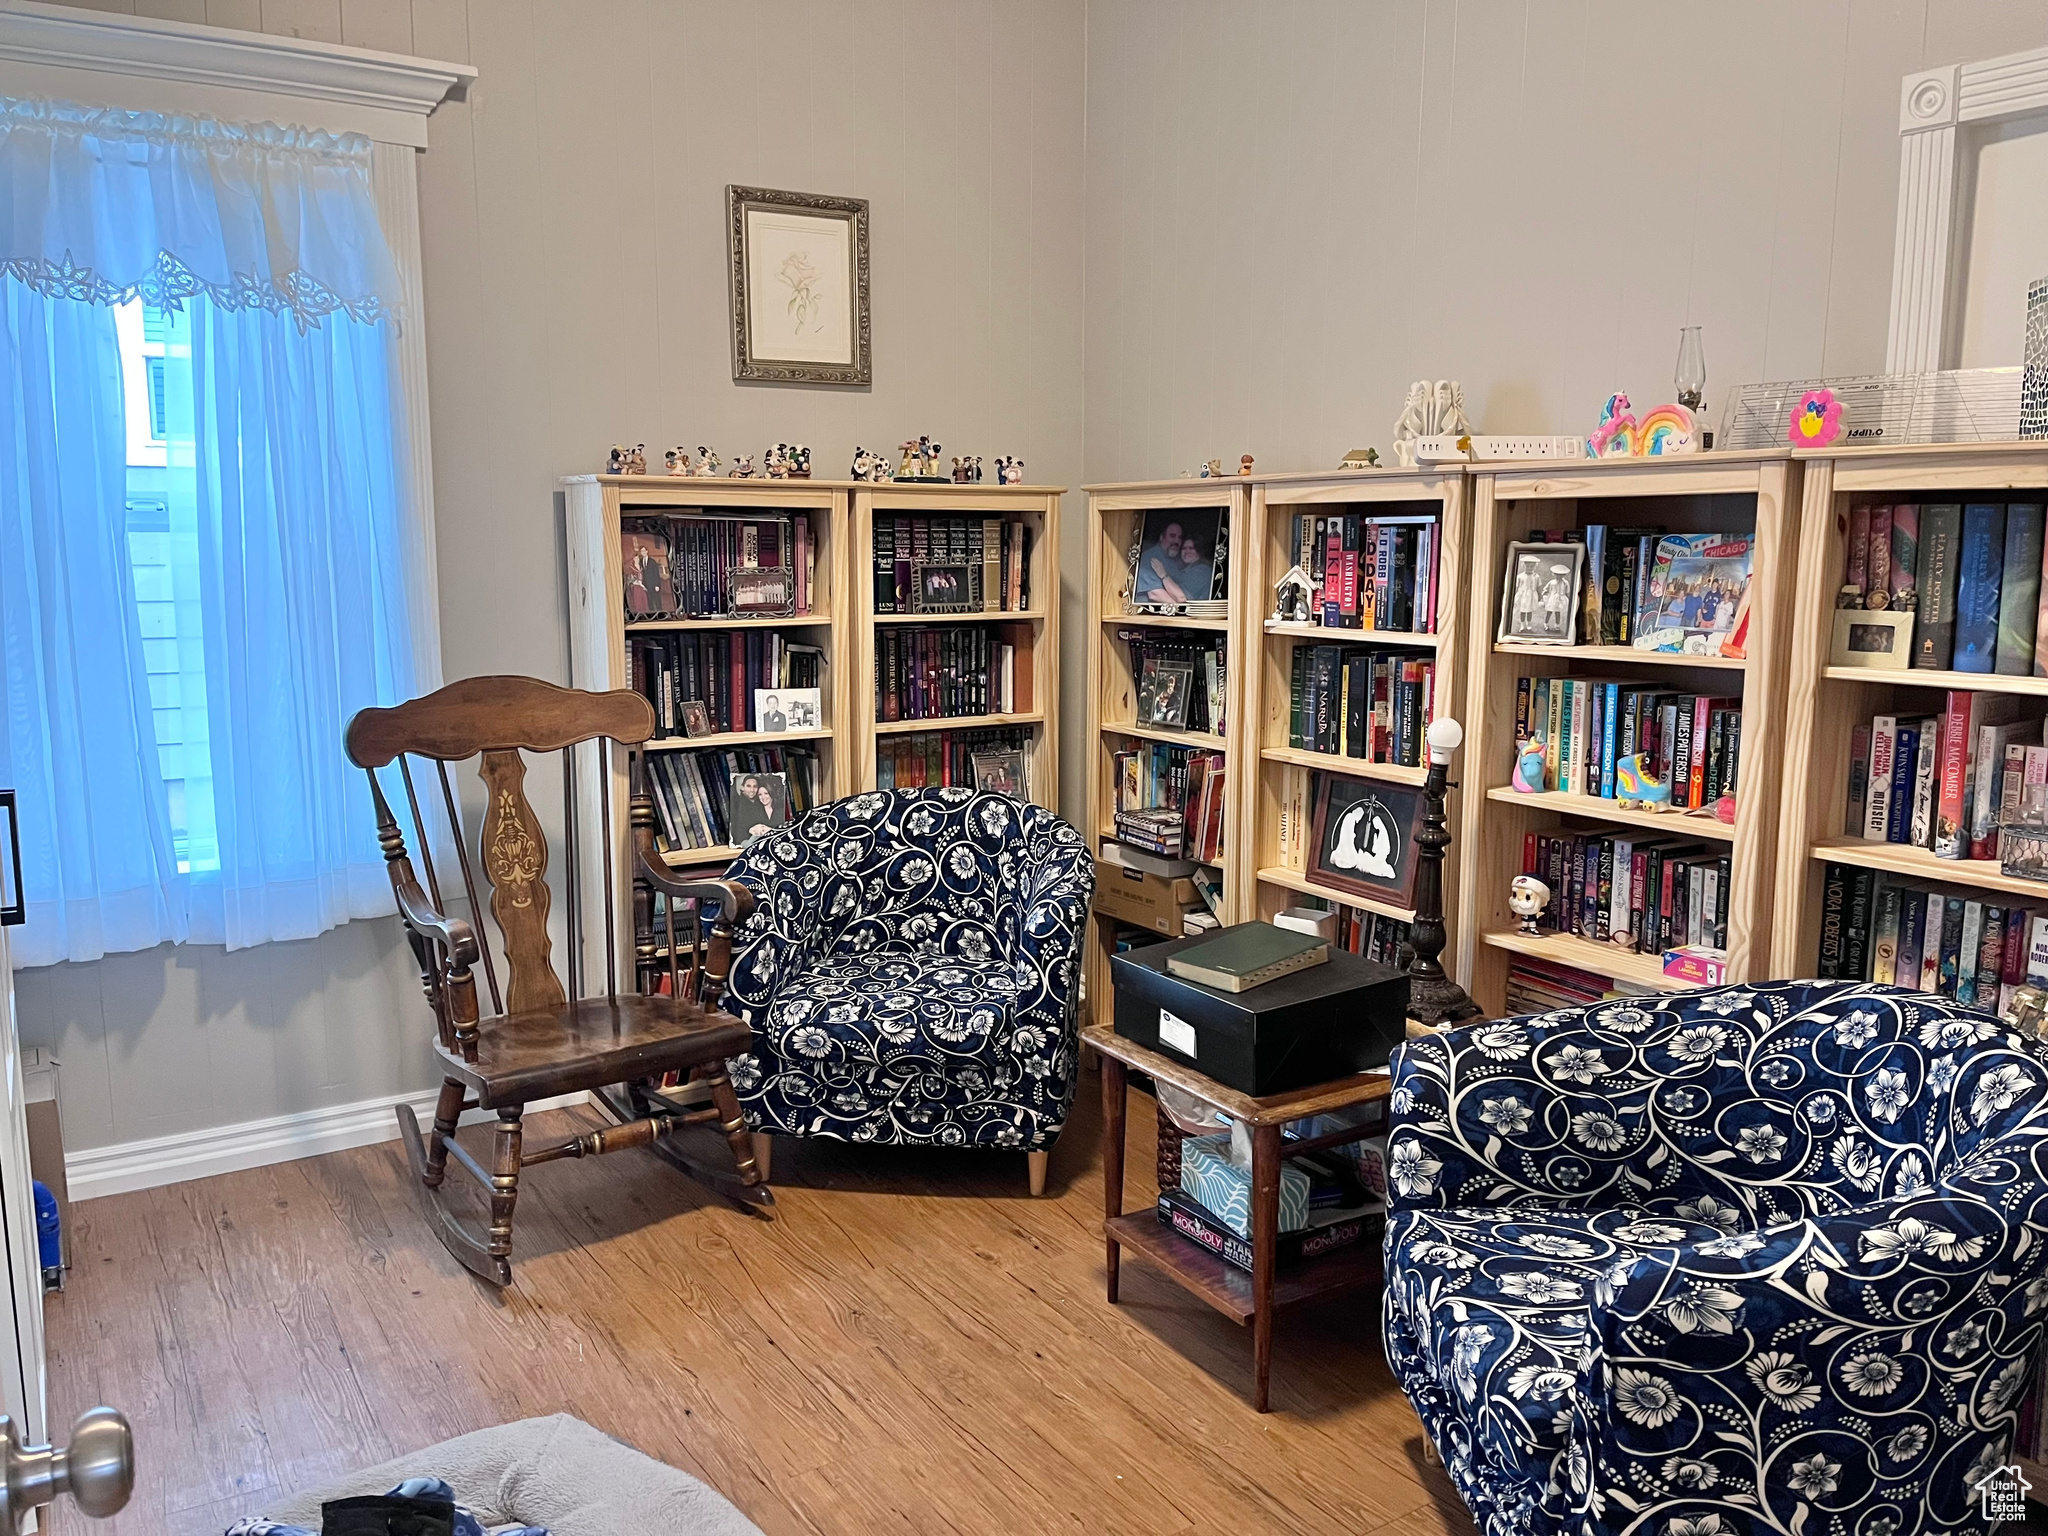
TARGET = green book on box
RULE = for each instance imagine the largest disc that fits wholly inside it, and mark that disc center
(1248, 955)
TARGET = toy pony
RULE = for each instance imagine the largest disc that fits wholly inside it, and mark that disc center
(1528, 776)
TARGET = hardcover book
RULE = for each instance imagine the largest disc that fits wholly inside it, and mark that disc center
(2019, 597)
(1934, 623)
(1248, 955)
(1977, 587)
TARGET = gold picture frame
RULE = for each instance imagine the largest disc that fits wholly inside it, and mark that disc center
(799, 278)
(1874, 639)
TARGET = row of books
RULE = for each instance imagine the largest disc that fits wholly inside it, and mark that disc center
(995, 554)
(1969, 572)
(1643, 892)
(693, 790)
(1371, 571)
(1641, 586)
(939, 759)
(1588, 726)
(1180, 679)
(1372, 934)
(1545, 986)
(721, 671)
(1875, 927)
(1186, 787)
(684, 565)
(1357, 702)
(1946, 782)
(945, 673)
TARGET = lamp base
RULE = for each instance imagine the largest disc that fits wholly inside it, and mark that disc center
(1438, 1000)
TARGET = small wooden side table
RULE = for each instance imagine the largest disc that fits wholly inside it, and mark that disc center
(1240, 1297)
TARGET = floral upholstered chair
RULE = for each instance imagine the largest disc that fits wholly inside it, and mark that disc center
(911, 973)
(1768, 1259)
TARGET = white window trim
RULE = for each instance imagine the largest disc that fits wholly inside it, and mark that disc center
(1936, 108)
(100, 58)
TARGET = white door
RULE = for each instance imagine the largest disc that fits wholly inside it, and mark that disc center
(21, 1316)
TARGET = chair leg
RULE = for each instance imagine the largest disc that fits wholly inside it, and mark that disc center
(764, 1155)
(505, 1181)
(734, 1124)
(447, 1115)
(1035, 1163)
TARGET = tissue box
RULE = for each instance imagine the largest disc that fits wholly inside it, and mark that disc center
(1207, 1173)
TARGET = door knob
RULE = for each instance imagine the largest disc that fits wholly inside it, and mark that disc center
(97, 1468)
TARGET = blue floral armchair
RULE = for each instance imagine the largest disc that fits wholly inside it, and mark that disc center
(1768, 1259)
(911, 971)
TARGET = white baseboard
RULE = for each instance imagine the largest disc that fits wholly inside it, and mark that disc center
(132, 1165)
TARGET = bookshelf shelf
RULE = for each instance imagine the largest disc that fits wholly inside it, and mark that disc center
(696, 858)
(1164, 621)
(1700, 493)
(1206, 741)
(978, 616)
(1350, 767)
(792, 621)
(1617, 655)
(733, 739)
(1294, 880)
(1600, 808)
(1827, 704)
(1281, 629)
(957, 723)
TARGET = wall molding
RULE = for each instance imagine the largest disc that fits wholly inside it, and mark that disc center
(131, 1165)
(386, 95)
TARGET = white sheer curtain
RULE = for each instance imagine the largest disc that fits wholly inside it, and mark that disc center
(285, 520)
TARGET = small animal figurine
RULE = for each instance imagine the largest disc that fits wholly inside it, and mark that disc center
(1636, 784)
(677, 461)
(1244, 465)
(1528, 775)
(1009, 471)
(1615, 435)
(708, 463)
(742, 468)
(799, 462)
(616, 464)
(1527, 897)
(1213, 470)
(636, 461)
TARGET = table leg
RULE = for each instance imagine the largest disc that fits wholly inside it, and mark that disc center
(1265, 1243)
(1113, 1075)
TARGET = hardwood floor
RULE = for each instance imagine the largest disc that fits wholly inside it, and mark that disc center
(910, 1344)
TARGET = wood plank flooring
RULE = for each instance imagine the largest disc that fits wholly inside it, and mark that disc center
(910, 1344)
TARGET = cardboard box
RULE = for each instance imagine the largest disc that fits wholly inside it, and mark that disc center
(1132, 896)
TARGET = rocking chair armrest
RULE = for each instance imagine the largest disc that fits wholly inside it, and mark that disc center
(735, 901)
(453, 933)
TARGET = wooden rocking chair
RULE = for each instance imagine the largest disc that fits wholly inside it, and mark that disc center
(548, 1042)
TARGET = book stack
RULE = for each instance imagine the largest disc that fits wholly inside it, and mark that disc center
(944, 673)
(719, 670)
(1970, 572)
(1200, 659)
(1589, 725)
(1184, 781)
(1544, 986)
(1354, 701)
(936, 759)
(996, 553)
(1374, 572)
(691, 790)
(703, 550)
(1946, 782)
(1157, 830)
(1376, 937)
(1635, 890)
(1906, 933)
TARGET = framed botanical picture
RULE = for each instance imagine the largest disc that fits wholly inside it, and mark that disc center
(1880, 639)
(1539, 600)
(1362, 838)
(942, 587)
(799, 286)
(1179, 559)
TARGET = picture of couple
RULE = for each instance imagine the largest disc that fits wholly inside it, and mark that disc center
(759, 803)
(1177, 558)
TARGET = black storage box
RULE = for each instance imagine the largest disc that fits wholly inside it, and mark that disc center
(1329, 1021)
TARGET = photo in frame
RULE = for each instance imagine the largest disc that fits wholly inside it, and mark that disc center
(1362, 838)
(799, 279)
(760, 591)
(1163, 688)
(757, 803)
(1539, 600)
(644, 554)
(787, 709)
(942, 587)
(1000, 772)
(696, 718)
(1179, 559)
(1876, 639)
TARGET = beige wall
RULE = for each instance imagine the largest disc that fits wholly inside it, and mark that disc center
(572, 222)
(1295, 208)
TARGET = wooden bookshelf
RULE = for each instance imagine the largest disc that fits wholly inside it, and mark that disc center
(1115, 515)
(1691, 493)
(1033, 630)
(1261, 866)
(1825, 704)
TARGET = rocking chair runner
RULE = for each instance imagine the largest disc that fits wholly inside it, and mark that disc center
(550, 1042)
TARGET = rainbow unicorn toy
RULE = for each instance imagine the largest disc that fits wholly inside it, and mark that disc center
(1661, 432)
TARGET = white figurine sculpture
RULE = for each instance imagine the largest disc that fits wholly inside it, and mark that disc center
(1432, 409)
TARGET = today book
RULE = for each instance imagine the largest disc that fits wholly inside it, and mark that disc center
(1248, 955)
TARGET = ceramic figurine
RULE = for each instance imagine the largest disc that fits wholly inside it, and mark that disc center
(1212, 470)
(616, 464)
(1635, 784)
(636, 461)
(1244, 464)
(1432, 409)
(1009, 471)
(800, 462)
(1528, 776)
(1527, 897)
(1360, 458)
(742, 468)
(1292, 595)
(708, 463)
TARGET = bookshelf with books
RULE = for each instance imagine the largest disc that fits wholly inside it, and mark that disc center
(955, 631)
(1345, 694)
(1166, 593)
(1670, 580)
(1916, 697)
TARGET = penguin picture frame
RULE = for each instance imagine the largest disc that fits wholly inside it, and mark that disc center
(1363, 838)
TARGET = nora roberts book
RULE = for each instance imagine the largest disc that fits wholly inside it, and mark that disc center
(1248, 955)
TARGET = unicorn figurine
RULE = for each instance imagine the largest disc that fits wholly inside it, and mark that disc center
(1528, 776)
(1615, 436)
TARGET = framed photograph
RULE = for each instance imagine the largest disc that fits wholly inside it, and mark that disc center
(644, 564)
(799, 287)
(1539, 600)
(760, 591)
(942, 587)
(696, 718)
(1178, 559)
(1163, 693)
(787, 709)
(999, 772)
(1363, 838)
(1878, 639)
(758, 803)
